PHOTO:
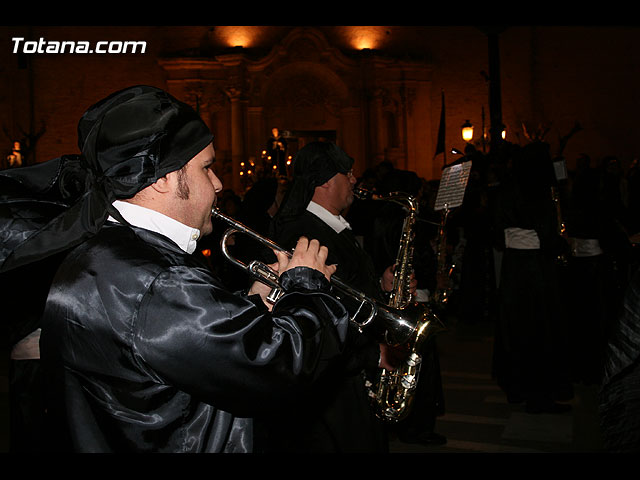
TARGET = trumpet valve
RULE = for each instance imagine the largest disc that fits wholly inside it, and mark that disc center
(274, 295)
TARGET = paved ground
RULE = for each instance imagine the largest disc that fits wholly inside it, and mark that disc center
(478, 418)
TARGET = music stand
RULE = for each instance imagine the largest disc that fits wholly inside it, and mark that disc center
(450, 195)
(452, 186)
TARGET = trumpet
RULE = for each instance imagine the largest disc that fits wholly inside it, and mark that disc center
(396, 325)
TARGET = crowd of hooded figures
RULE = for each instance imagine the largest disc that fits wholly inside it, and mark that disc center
(544, 253)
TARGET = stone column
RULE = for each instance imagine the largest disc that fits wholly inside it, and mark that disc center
(237, 135)
(379, 121)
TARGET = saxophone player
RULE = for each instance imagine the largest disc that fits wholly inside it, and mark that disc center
(341, 419)
(381, 241)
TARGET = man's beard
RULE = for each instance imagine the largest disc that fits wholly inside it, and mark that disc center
(183, 185)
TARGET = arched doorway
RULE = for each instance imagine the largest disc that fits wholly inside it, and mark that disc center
(305, 101)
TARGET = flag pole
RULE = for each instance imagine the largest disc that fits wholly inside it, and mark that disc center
(440, 146)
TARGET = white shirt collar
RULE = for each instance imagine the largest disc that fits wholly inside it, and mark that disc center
(334, 221)
(186, 237)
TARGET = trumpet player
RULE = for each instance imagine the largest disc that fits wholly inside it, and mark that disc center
(143, 348)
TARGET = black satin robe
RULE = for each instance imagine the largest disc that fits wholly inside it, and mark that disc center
(147, 352)
(619, 397)
(337, 417)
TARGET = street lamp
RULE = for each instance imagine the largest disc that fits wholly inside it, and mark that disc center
(467, 131)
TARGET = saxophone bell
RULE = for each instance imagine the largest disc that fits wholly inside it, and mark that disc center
(394, 392)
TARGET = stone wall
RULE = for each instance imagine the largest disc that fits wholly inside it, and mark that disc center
(551, 78)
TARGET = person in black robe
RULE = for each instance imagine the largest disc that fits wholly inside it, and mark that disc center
(23, 293)
(619, 396)
(25, 208)
(277, 150)
(531, 339)
(338, 418)
(143, 348)
(593, 294)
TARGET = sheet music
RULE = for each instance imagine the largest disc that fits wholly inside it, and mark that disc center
(560, 169)
(452, 186)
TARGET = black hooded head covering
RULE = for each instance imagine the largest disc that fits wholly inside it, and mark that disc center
(128, 141)
(313, 165)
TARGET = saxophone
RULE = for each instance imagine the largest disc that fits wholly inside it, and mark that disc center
(394, 390)
(444, 272)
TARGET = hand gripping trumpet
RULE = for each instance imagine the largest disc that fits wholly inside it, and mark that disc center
(396, 325)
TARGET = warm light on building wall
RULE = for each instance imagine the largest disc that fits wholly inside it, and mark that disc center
(363, 37)
(236, 36)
